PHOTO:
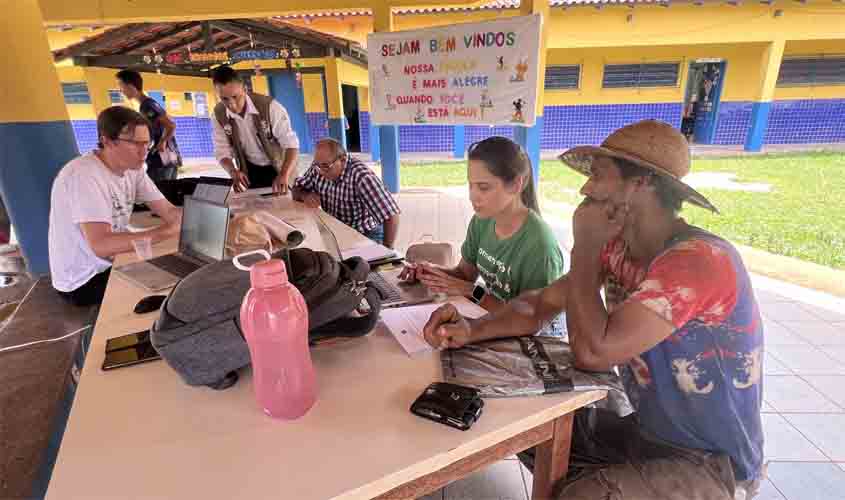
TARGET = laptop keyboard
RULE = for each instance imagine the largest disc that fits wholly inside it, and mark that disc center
(388, 292)
(175, 265)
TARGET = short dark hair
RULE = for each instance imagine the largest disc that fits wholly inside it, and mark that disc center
(224, 75)
(112, 121)
(669, 197)
(131, 77)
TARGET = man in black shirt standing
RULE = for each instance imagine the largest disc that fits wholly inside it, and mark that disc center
(163, 159)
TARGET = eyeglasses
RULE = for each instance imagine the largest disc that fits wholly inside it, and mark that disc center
(326, 166)
(232, 98)
(145, 145)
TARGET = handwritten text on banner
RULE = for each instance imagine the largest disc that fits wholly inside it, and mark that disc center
(473, 74)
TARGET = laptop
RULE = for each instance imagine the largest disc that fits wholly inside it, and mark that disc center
(213, 189)
(394, 291)
(202, 240)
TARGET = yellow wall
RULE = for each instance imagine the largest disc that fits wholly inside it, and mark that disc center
(261, 84)
(363, 99)
(685, 23)
(25, 65)
(101, 80)
(812, 48)
(343, 72)
(314, 62)
(682, 23)
(355, 28)
(312, 88)
(353, 74)
(741, 75)
(99, 11)
(61, 39)
(72, 74)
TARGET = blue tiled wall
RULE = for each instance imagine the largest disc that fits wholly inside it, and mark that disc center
(318, 125)
(733, 122)
(806, 121)
(426, 138)
(194, 137)
(192, 134)
(790, 122)
(479, 133)
(85, 132)
(566, 126)
(364, 125)
(795, 121)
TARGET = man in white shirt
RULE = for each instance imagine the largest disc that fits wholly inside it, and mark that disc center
(253, 138)
(91, 202)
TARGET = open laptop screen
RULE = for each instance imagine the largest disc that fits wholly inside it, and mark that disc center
(203, 233)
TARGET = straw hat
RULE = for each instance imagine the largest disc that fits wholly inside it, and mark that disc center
(650, 144)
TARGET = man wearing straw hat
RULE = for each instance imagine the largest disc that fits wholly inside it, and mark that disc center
(679, 320)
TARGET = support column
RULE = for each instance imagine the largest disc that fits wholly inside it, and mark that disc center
(334, 94)
(769, 69)
(36, 138)
(388, 134)
(460, 141)
(529, 137)
(375, 142)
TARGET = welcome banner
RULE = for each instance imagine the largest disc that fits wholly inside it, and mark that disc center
(466, 74)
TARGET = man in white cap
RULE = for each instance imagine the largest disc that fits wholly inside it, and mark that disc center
(680, 320)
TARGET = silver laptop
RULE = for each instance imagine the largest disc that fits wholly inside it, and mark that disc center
(202, 240)
(394, 291)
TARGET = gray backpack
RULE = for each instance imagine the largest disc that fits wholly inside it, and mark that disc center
(198, 331)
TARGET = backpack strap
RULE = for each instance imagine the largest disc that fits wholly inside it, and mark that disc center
(348, 326)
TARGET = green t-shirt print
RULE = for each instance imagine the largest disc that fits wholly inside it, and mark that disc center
(528, 260)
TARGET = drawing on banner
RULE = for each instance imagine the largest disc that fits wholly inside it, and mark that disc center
(465, 74)
(486, 102)
(521, 68)
(420, 116)
(517, 111)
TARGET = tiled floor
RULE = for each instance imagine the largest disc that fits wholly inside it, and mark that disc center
(803, 413)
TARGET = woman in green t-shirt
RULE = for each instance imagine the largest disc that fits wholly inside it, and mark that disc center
(508, 244)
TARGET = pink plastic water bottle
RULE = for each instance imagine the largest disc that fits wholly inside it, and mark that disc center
(274, 319)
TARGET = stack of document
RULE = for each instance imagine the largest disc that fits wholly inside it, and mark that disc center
(371, 252)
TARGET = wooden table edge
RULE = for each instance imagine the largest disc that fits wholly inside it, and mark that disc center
(552, 438)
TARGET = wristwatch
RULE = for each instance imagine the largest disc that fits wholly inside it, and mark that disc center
(478, 293)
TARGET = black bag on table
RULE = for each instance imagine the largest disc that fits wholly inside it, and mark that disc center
(198, 331)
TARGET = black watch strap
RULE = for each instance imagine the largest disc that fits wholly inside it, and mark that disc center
(478, 293)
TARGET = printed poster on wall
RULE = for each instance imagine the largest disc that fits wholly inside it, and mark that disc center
(464, 74)
(200, 104)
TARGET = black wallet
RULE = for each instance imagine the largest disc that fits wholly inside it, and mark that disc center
(453, 405)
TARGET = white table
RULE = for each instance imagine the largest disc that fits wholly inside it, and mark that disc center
(140, 433)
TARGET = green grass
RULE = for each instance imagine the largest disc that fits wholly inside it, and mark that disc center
(803, 215)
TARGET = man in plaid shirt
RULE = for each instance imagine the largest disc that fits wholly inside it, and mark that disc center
(349, 191)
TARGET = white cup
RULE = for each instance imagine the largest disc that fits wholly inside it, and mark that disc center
(143, 248)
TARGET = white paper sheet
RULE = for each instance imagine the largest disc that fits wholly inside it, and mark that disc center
(406, 323)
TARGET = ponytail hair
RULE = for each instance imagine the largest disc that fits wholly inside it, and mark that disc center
(507, 160)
